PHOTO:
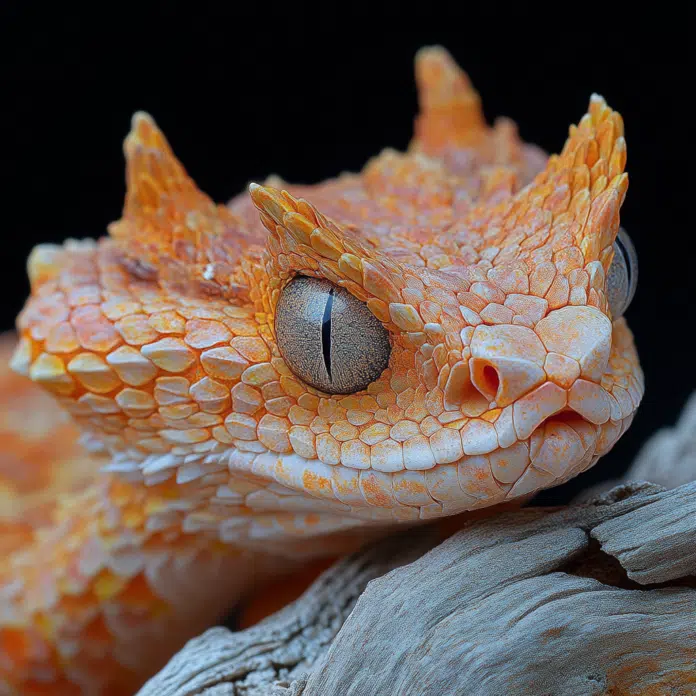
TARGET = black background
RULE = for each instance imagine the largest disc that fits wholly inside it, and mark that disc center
(306, 92)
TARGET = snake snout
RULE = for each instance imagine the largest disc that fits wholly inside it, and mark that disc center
(546, 384)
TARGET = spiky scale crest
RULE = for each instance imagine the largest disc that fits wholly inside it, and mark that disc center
(169, 228)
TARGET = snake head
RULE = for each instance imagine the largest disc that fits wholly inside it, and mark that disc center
(437, 333)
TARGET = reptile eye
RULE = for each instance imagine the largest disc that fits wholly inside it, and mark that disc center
(623, 275)
(329, 338)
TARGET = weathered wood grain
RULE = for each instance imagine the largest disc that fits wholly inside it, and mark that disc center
(286, 645)
(506, 607)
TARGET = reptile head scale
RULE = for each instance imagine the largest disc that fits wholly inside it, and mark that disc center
(435, 334)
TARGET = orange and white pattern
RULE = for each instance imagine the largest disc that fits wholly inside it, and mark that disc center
(211, 464)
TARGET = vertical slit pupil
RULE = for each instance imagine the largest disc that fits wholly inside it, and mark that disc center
(326, 333)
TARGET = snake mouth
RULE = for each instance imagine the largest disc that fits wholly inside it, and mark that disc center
(561, 446)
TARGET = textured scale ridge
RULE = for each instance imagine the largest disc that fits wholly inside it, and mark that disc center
(181, 461)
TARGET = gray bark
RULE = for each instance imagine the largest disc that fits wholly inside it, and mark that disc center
(286, 645)
(592, 599)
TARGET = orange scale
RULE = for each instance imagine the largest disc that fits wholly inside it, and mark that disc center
(443, 376)
(395, 413)
(280, 406)
(492, 415)
(94, 332)
(497, 314)
(61, 339)
(452, 326)
(331, 411)
(386, 399)
(317, 484)
(559, 292)
(569, 259)
(541, 255)
(241, 327)
(167, 322)
(207, 311)
(135, 330)
(405, 398)
(376, 488)
(205, 333)
(535, 240)
(412, 296)
(328, 449)
(45, 309)
(252, 348)
(380, 309)
(579, 278)
(176, 413)
(273, 433)
(273, 390)
(84, 295)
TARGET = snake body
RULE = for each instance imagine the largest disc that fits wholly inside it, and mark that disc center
(184, 457)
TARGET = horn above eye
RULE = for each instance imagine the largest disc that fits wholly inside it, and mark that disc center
(328, 337)
(623, 275)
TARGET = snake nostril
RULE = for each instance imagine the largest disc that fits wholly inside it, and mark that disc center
(461, 393)
(485, 378)
(491, 379)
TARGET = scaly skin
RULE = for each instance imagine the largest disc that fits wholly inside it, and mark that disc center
(214, 465)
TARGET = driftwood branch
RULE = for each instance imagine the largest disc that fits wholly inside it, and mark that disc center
(287, 645)
(594, 598)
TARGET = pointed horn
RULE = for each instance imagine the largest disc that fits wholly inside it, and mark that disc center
(590, 170)
(169, 228)
(450, 108)
(159, 195)
(152, 170)
(565, 221)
